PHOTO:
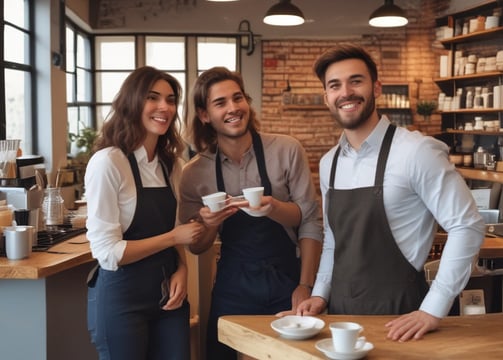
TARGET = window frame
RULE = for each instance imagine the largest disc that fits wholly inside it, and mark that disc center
(76, 105)
(29, 142)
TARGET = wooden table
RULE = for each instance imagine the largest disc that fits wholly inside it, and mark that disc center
(467, 337)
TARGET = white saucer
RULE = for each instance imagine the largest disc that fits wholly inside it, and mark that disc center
(262, 211)
(294, 327)
(326, 346)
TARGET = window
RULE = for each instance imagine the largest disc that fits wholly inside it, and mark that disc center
(79, 94)
(213, 51)
(16, 75)
(115, 59)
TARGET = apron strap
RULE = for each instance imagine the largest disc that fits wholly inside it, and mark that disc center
(383, 155)
(259, 153)
(381, 161)
(260, 158)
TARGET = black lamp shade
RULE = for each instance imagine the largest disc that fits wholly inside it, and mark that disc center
(388, 15)
(284, 13)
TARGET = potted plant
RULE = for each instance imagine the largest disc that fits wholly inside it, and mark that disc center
(426, 108)
(84, 141)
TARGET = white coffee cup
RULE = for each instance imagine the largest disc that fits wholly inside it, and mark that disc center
(254, 195)
(215, 201)
(344, 335)
(18, 241)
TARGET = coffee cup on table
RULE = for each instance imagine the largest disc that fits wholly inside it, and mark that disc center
(215, 201)
(345, 336)
(254, 196)
(18, 241)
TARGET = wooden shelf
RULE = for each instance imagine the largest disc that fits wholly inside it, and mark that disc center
(472, 36)
(304, 107)
(472, 111)
(475, 76)
(475, 132)
(384, 108)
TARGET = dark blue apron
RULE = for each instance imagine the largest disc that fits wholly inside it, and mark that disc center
(258, 269)
(370, 275)
(124, 317)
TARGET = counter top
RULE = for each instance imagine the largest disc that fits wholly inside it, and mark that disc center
(63, 256)
(459, 337)
(75, 251)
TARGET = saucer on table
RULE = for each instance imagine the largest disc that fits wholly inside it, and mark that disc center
(326, 346)
(294, 327)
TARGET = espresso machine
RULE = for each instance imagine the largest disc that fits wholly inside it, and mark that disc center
(24, 191)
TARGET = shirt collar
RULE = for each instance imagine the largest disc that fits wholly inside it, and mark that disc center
(141, 157)
(374, 140)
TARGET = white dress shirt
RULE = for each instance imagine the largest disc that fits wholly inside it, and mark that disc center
(111, 199)
(420, 187)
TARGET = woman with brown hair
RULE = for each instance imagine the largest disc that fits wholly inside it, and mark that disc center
(132, 188)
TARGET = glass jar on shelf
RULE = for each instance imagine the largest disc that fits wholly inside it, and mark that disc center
(53, 208)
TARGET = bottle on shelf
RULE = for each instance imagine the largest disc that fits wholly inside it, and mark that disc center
(469, 99)
(478, 100)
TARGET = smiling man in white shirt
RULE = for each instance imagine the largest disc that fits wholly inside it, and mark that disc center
(384, 190)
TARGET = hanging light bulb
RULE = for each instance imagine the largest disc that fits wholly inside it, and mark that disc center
(388, 15)
(284, 13)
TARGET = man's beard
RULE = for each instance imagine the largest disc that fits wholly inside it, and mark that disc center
(362, 119)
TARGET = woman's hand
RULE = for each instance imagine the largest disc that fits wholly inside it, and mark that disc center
(177, 288)
(187, 234)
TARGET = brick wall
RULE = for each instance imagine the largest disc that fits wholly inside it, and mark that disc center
(406, 55)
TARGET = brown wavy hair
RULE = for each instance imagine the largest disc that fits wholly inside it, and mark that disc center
(202, 134)
(124, 129)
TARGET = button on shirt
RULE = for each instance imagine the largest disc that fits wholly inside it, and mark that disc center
(420, 186)
(112, 205)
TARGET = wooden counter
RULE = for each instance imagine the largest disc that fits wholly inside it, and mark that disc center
(467, 337)
(63, 256)
(74, 252)
(43, 303)
(491, 248)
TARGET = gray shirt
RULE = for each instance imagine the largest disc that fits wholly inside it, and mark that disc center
(287, 168)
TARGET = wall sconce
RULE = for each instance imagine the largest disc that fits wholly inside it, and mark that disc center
(388, 15)
(284, 13)
(247, 39)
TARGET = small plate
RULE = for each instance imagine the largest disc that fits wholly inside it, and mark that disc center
(326, 346)
(294, 327)
(262, 211)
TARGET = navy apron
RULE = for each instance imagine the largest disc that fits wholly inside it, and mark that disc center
(370, 275)
(258, 269)
(124, 317)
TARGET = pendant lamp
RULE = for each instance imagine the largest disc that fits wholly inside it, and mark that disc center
(388, 15)
(284, 13)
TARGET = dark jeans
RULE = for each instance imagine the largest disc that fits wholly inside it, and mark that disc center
(126, 323)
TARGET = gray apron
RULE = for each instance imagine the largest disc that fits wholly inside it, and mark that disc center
(370, 275)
